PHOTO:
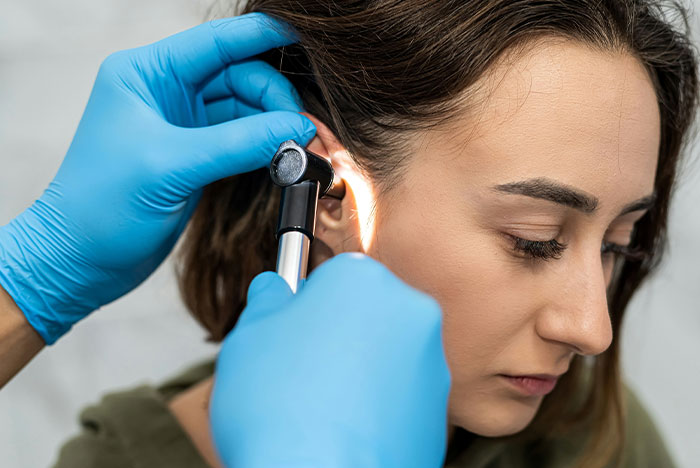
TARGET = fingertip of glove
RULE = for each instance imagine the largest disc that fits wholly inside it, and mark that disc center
(266, 283)
(309, 131)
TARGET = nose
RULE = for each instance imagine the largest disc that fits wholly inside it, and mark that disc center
(576, 311)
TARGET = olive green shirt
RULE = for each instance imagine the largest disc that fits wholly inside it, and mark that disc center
(135, 429)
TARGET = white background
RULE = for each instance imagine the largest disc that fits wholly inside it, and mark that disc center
(49, 55)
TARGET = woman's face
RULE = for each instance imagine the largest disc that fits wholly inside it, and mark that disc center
(565, 143)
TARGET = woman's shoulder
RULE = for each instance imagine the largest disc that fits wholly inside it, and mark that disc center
(134, 427)
(643, 447)
(644, 444)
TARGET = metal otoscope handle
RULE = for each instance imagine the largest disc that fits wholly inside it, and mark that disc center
(304, 177)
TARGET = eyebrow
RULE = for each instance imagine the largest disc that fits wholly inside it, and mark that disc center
(556, 192)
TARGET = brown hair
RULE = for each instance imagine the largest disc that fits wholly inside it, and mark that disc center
(373, 71)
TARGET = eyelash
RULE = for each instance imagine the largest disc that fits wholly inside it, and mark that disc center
(544, 250)
(552, 249)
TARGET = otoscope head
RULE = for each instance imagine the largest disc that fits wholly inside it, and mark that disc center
(304, 177)
(293, 164)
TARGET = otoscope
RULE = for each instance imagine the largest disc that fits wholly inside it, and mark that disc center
(304, 177)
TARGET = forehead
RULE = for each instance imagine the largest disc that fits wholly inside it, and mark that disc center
(562, 110)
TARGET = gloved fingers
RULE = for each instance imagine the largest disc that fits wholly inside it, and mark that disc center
(237, 146)
(197, 54)
(257, 84)
(268, 289)
(267, 294)
(191, 206)
(227, 109)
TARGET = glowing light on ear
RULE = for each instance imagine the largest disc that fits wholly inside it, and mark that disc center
(364, 194)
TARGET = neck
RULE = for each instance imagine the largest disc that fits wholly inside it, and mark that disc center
(458, 439)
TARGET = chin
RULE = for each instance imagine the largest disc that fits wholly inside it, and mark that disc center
(500, 418)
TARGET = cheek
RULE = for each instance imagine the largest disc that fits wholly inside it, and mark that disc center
(466, 270)
(487, 308)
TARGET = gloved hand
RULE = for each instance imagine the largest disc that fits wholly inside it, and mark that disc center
(348, 373)
(162, 121)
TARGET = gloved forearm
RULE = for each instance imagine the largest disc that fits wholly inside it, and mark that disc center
(162, 121)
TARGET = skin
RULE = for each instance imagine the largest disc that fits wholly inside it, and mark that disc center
(562, 111)
(19, 342)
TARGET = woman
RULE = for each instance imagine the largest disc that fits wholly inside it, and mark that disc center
(515, 160)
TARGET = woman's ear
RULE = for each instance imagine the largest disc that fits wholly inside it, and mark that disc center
(337, 224)
(325, 142)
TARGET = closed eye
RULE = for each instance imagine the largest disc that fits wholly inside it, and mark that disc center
(553, 249)
(542, 250)
(631, 254)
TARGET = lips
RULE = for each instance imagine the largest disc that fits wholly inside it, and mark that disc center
(532, 385)
(539, 376)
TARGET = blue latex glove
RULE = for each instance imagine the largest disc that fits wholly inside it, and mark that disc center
(146, 145)
(348, 373)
